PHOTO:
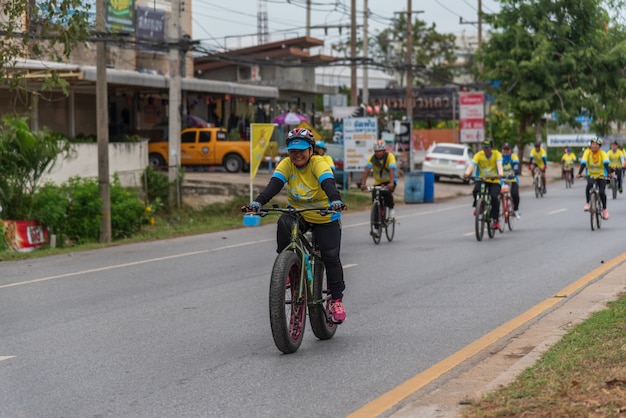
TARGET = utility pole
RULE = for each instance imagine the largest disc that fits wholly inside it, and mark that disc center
(365, 96)
(308, 18)
(353, 87)
(174, 33)
(102, 126)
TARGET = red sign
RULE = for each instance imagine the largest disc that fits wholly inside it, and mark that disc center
(24, 236)
(472, 116)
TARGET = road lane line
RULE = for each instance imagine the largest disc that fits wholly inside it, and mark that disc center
(428, 212)
(134, 263)
(392, 398)
(6, 357)
(554, 212)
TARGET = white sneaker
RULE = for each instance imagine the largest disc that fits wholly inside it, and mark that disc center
(517, 214)
(392, 213)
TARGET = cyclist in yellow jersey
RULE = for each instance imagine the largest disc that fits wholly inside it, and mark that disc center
(488, 163)
(310, 184)
(596, 162)
(383, 167)
(567, 162)
(510, 167)
(617, 161)
(320, 149)
(539, 159)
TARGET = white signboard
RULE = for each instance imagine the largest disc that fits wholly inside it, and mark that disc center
(570, 140)
(359, 135)
(472, 116)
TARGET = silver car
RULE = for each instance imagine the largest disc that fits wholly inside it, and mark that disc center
(448, 160)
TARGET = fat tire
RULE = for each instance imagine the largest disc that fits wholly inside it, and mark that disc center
(318, 305)
(287, 317)
(479, 221)
(376, 222)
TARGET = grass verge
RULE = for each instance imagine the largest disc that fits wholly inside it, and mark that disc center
(582, 375)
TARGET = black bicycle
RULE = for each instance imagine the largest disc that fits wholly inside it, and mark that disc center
(483, 210)
(298, 284)
(595, 204)
(380, 216)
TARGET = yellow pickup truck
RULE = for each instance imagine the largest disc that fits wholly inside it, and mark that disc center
(203, 147)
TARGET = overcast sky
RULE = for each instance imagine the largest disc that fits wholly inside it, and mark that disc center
(219, 23)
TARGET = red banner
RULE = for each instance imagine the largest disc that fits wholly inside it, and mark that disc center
(24, 236)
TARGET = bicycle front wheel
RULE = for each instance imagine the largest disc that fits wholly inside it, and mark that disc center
(287, 302)
(510, 218)
(614, 187)
(504, 213)
(318, 308)
(537, 186)
(376, 222)
(491, 231)
(479, 221)
(598, 211)
(592, 210)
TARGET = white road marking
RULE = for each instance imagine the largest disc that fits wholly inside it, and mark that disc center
(468, 234)
(349, 265)
(554, 212)
(6, 357)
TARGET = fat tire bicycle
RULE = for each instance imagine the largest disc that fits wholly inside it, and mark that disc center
(507, 213)
(379, 216)
(483, 210)
(297, 285)
(538, 182)
(595, 204)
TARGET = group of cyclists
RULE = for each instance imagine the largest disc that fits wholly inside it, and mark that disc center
(309, 176)
(495, 166)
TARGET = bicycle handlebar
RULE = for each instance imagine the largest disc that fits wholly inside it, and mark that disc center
(265, 211)
(370, 188)
(478, 179)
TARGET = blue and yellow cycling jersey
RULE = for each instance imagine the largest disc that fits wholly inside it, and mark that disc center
(568, 159)
(616, 159)
(510, 166)
(487, 167)
(330, 161)
(539, 158)
(380, 168)
(594, 163)
(304, 188)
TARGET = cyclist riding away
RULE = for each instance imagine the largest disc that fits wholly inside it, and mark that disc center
(487, 163)
(310, 183)
(539, 159)
(596, 162)
(617, 160)
(383, 166)
(320, 149)
(567, 162)
(510, 167)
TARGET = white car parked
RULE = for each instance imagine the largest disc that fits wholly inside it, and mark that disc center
(448, 160)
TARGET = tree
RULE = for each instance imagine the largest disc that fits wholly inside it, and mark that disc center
(543, 56)
(40, 29)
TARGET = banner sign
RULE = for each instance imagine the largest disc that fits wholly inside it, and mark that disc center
(261, 135)
(24, 236)
(150, 27)
(359, 135)
(429, 103)
(120, 16)
(472, 117)
(570, 140)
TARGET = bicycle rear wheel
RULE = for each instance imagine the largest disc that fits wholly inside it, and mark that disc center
(614, 187)
(390, 228)
(376, 224)
(318, 308)
(510, 218)
(287, 303)
(479, 221)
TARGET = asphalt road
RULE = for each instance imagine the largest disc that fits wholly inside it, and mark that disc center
(180, 327)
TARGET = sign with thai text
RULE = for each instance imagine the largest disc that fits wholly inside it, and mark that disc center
(359, 135)
(429, 103)
(472, 117)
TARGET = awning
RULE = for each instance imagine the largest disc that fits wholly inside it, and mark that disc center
(227, 87)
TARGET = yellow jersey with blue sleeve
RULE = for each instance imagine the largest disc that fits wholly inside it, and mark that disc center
(539, 158)
(487, 166)
(509, 164)
(568, 159)
(380, 168)
(594, 163)
(616, 159)
(304, 188)
(330, 161)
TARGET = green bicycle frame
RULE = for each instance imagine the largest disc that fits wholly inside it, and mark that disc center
(301, 246)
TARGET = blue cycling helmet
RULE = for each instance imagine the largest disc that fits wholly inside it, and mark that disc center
(320, 144)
